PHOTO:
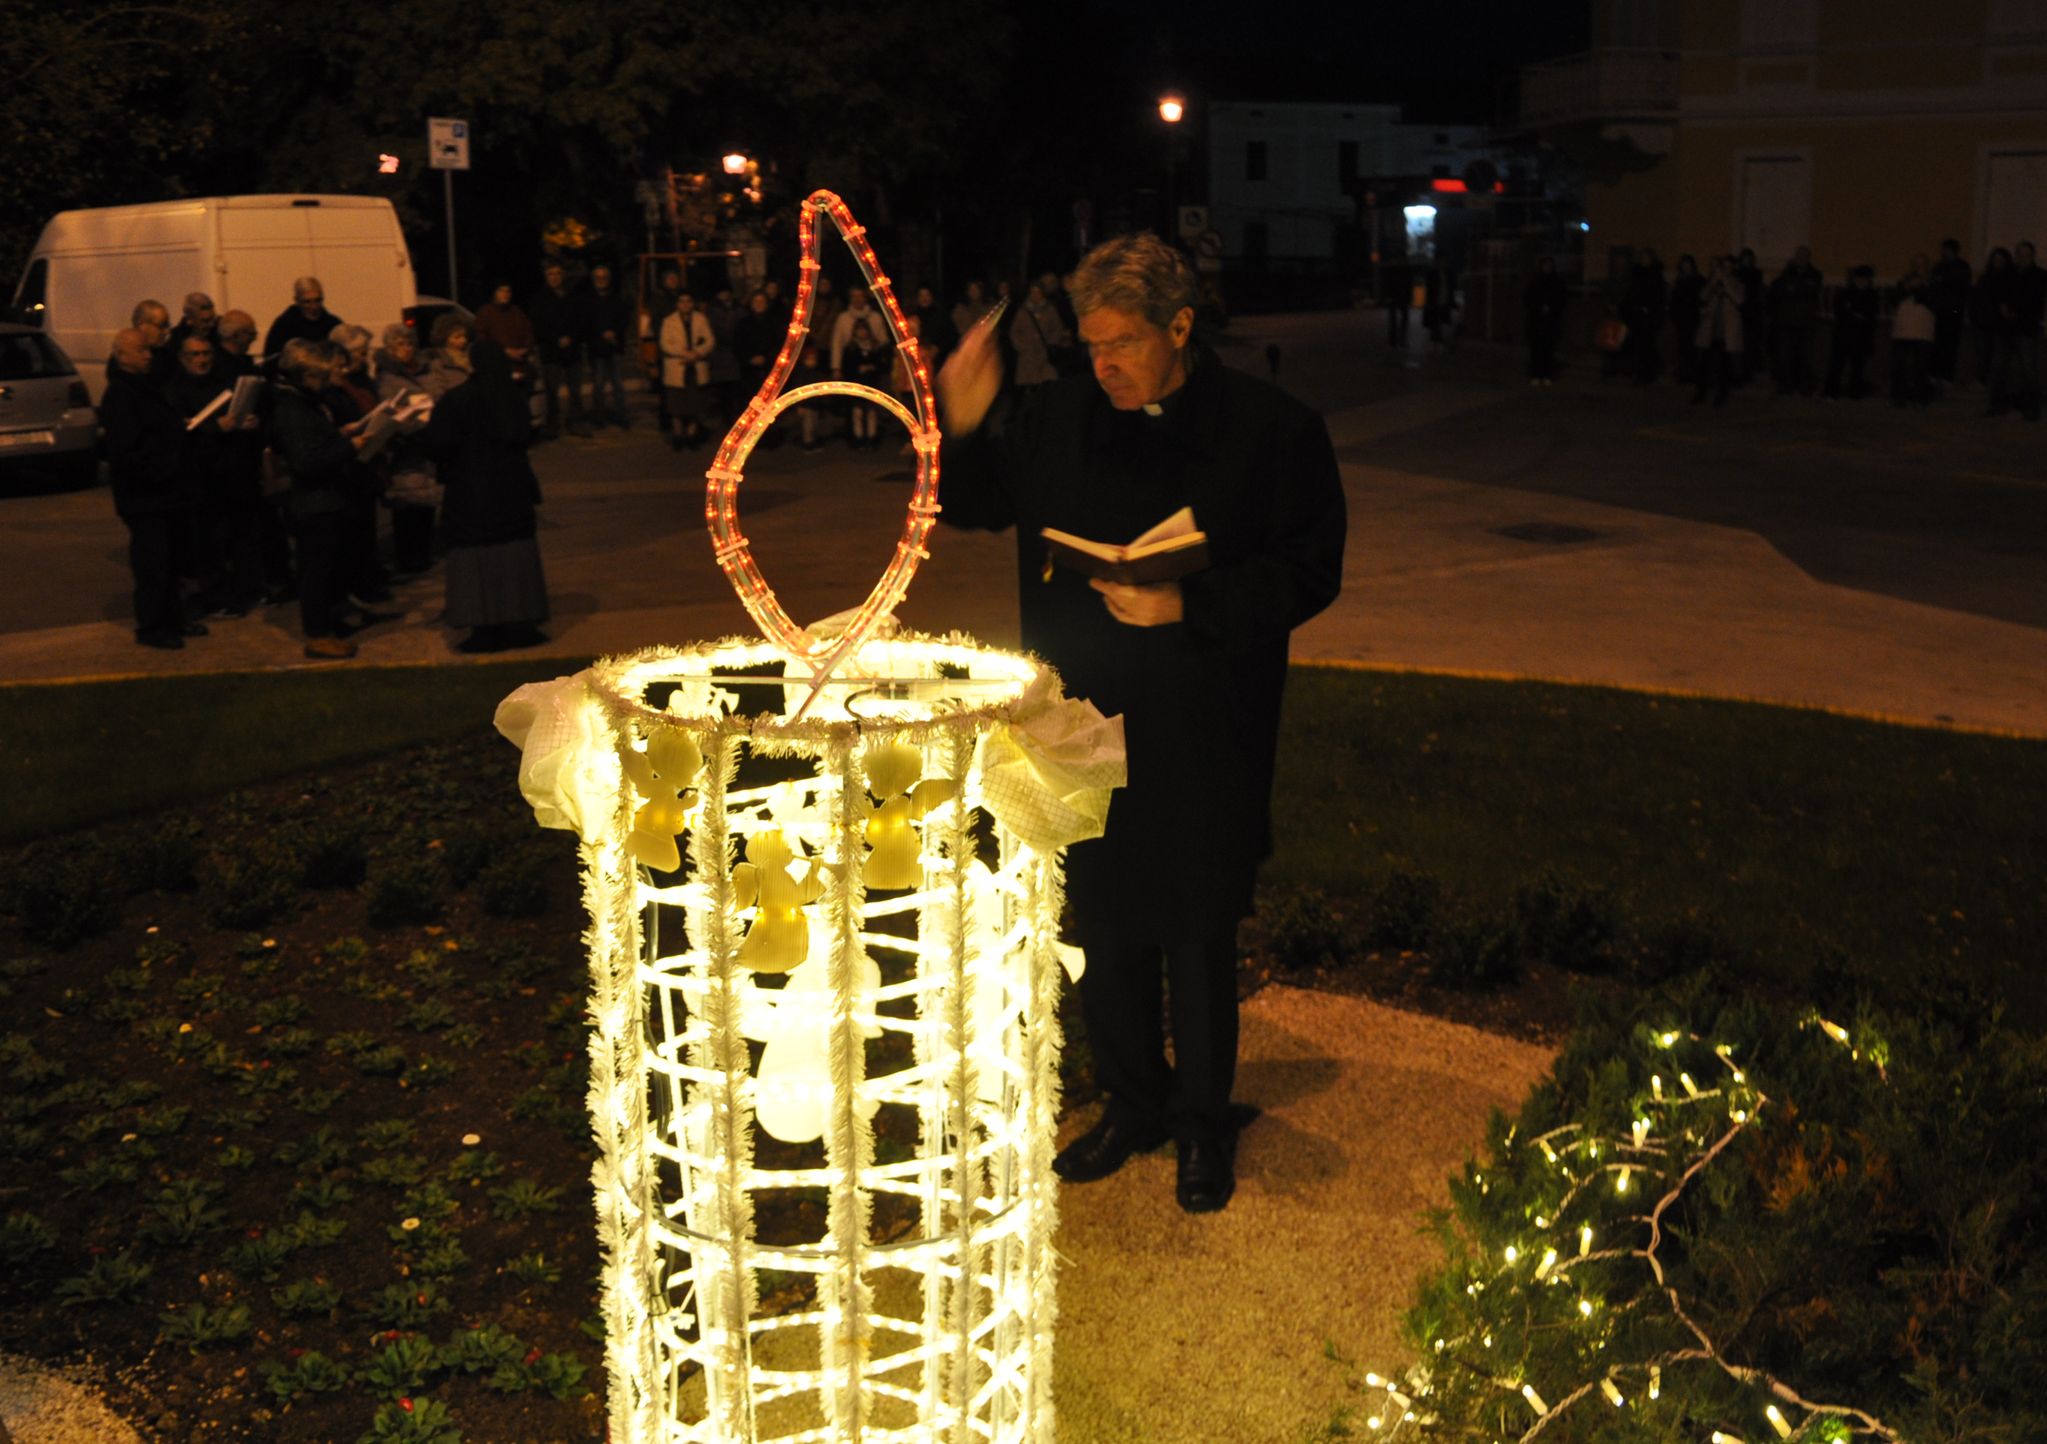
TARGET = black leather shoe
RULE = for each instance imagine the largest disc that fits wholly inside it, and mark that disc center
(1207, 1174)
(1105, 1148)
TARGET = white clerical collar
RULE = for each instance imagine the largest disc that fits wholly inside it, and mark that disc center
(1152, 408)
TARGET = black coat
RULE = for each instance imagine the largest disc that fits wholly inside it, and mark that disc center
(206, 455)
(293, 326)
(489, 489)
(559, 316)
(1687, 296)
(320, 460)
(1543, 300)
(608, 311)
(1200, 699)
(145, 444)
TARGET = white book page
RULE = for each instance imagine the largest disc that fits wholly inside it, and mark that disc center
(1179, 524)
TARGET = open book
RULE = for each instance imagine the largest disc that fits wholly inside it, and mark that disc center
(248, 391)
(1174, 548)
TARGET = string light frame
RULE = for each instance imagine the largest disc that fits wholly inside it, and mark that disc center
(1679, 1131)
(837, 983)
(734, 553)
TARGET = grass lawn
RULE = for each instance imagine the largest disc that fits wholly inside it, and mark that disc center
(79, 753)
(1813, 846)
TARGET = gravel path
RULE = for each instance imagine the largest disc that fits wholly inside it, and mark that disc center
(45, 1406)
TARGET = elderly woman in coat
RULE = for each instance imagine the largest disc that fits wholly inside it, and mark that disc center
(1036, 332)
(412, 492)
(478, 438)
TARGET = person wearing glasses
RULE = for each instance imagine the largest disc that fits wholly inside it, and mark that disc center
(1194, 665)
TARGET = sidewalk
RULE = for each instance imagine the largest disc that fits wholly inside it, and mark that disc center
(1479, 565)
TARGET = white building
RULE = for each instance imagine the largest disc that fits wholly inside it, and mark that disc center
(1282, 174)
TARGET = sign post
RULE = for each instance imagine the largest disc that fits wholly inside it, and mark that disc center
(447, 148)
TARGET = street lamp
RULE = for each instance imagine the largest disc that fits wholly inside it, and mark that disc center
(1172, 109)
(735, 164)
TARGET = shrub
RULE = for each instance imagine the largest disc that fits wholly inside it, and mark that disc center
(305, 1297)
(479, 1351)
(248, 889)
(311, 1373)
(412, 1421)
(1474, 951)
(1565, 924)
(1855, 1210)
(182, 1212)
(1300, 927)
(23, 1236)
(164, 859)
(402, 1367)
(63, 893)
(333, 854)
(468, 848)
(517, 882)
(523, 1197)
(406, 1305)
(113, 1278)
(1404, 911)
(404, 892)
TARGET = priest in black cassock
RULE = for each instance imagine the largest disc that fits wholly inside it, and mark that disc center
(1195, 665)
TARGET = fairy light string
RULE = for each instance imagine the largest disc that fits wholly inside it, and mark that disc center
(1682, 1151)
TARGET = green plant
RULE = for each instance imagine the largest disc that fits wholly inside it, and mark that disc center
(103, 1170)
(276, 1012)
(128, 1092)
(261, 1256)
(1566, 924)
(559, 1374)
(289, 1042)
(1474, 951)
(473, 1166)
(264, 1078)
(61, 893)
(429, 1073)
(309, 1230)
(110, 1007)
(425, 1016)
(1300, 927)
(349, 949)
(197, 987)
(463, 1035)
(394, 1170)
(401, 1367)
(386, 1133)
(88, 1126)
(313, 1102)
(412, 1421)
(317, 1152)
(161, 1122)
(235, 1156)
(182, 1212)
(406, 1305)
(371, 986)
(199, 1327)
(404, 892)
(534, 1268)
(523, 1197)
(442, 1258)
(249, 888)
(310, 1373)
(319, 1194)
(111, 1278)
(305, 1297)
(24, 1236)
(428, 1201)
(480, 1350)
(334, 854)
(237, 1120)
(427, 971)
(165, 859)
(1404, 911)
(517, 882)
(17, 1140)
(383, 1062)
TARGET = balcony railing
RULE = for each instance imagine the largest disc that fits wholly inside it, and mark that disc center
(1599, 83)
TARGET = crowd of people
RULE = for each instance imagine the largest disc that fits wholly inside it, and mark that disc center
(249, 478)
(1730, 326)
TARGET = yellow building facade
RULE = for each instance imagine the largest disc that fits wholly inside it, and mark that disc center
(1867, 129)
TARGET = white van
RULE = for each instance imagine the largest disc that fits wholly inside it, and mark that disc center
(89, 268)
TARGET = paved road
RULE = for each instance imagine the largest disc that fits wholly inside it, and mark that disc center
(1837, 554)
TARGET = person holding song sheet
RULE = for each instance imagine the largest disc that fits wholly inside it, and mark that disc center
(1194, 660)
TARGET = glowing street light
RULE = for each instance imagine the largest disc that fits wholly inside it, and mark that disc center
(1172, 108)
(387, 164)
(735, 164)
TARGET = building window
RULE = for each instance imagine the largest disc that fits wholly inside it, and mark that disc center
(1346, 163)
(1254, 160)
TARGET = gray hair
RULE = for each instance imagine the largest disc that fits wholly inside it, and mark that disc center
(307, 283)
(143, 308)
(395, 332)
(300, 359)
(348, 336)
(1140, 273)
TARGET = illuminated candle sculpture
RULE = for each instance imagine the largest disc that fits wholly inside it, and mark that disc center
(824, 880)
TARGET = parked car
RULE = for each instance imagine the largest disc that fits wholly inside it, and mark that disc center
(421, 316)
(47, 423)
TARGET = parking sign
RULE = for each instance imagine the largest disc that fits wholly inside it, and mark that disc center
(447, 144)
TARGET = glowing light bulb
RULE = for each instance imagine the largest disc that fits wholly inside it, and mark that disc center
(1512, 1253)
(1584, 1240)
(1835, 1031)
(1668, 1040)
(1585, 1307)
(1691, 1088)
(1613, 1395)
(1549, 1261)
(1534, 1399)
(1655, 1380)
(1621, 1184)
(1778, 1421)
(1656, 1086)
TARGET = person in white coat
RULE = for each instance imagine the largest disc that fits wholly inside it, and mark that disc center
(1720, 333)
(687, 342)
